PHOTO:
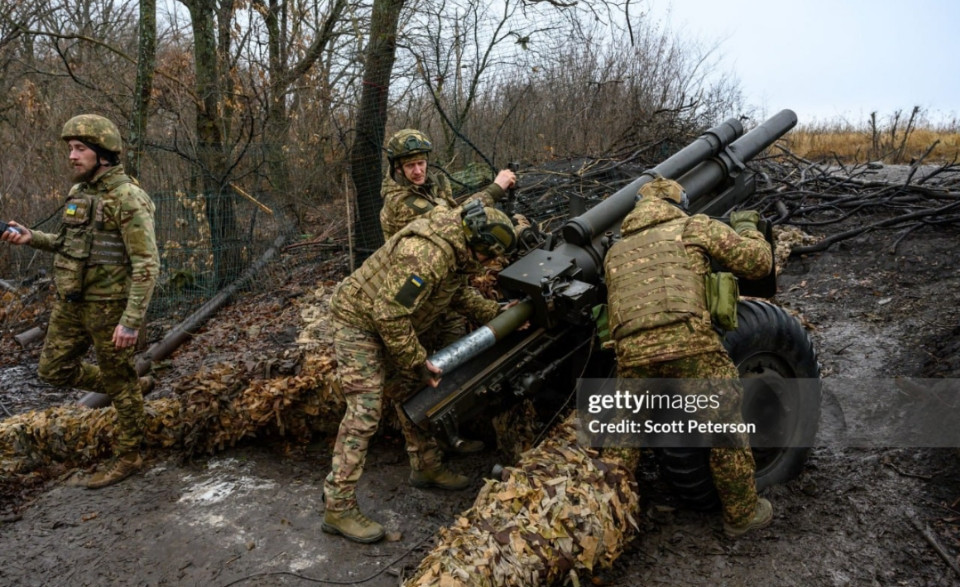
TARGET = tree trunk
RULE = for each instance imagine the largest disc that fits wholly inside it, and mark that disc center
(282, 76)
(365, 159)
(146, 64)
(221, 216)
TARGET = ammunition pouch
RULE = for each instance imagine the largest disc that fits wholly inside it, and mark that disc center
(723, 293)
(602, 319)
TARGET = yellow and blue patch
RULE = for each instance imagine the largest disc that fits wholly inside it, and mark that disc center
(408, 294)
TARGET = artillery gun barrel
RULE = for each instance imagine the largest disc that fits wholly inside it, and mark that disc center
(561, 284)
(702, 179)
(597, 220)
(471, 345)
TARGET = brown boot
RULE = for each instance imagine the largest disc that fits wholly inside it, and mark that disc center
(762, 517)
(440, 477)
(462, 447)
(119, 469)
(352, 525)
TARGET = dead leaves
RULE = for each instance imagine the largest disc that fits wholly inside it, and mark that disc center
(563, 509)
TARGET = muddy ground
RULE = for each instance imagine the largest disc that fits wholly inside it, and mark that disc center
(251, 515)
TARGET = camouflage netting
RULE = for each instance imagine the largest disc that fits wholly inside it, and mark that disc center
(293, 396)
(786, 238)
(563, 509)
(216, 408)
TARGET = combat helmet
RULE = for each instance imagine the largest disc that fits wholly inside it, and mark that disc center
(405, 144)
(95, 131)
(488, 230)
(665, 189)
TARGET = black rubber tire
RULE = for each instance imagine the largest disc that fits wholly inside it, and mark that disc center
(781, 376)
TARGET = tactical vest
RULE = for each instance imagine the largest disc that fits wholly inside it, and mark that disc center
(651, 282)
(83, 242)
(371, 274)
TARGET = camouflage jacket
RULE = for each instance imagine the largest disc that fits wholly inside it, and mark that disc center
(747, 255)
(403, 288)
(127, 209)
(403, 201)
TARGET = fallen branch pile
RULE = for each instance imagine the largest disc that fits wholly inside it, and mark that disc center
(810, 195)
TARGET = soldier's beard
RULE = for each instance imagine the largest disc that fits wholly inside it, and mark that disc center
(80, 176)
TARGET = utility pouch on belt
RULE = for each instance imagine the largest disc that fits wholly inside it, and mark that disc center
(722, 296)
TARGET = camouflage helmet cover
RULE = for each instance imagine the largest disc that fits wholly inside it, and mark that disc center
(665, 189)
(405, 144)
(489, 230)
(95, 130)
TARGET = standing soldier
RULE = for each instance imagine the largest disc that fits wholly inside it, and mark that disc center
(662, 328)
(381, 316)
(410, 191)
(413, 191)
(104, 268)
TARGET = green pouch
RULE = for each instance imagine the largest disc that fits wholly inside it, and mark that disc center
(602, 319)
(723, 293)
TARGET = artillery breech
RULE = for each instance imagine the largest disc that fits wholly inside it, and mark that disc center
(471, 345)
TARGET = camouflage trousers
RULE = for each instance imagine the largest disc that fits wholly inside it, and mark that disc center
(732, 467)
(362, 367)
(73, 328)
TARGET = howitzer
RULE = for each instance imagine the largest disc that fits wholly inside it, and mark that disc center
(561, 282)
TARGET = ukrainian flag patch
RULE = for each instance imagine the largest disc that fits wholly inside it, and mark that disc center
(71, 209)
(408, 294)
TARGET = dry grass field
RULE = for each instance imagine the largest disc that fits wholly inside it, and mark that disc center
(897, 138)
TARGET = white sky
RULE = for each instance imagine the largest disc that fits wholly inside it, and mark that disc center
(831, 59)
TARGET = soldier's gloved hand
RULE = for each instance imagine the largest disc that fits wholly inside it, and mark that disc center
(743, 220)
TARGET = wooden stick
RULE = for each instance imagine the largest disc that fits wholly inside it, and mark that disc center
(928, 535)
(259, 204)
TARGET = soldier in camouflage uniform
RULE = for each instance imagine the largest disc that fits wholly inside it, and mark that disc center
(382, 315)
(662, 328)
(409, 191)
(105, 267)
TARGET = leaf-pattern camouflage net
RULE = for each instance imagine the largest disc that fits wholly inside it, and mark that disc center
(564, 508)
(786, 238)
(214, 409)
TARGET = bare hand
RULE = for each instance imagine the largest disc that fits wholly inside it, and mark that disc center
(505, 179)
(124, 337)
(433, 381)
(23, 237)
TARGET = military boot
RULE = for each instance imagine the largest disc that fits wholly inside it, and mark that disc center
(762, 517)
(462, 447)
(352, 525)
(439, 477)
(119, 469)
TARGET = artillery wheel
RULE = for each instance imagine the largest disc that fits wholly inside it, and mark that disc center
(780, 372)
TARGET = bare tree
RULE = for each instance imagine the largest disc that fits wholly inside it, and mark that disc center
(365, 158)
(146, 64)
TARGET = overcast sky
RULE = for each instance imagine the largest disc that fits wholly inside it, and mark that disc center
(827, 59)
